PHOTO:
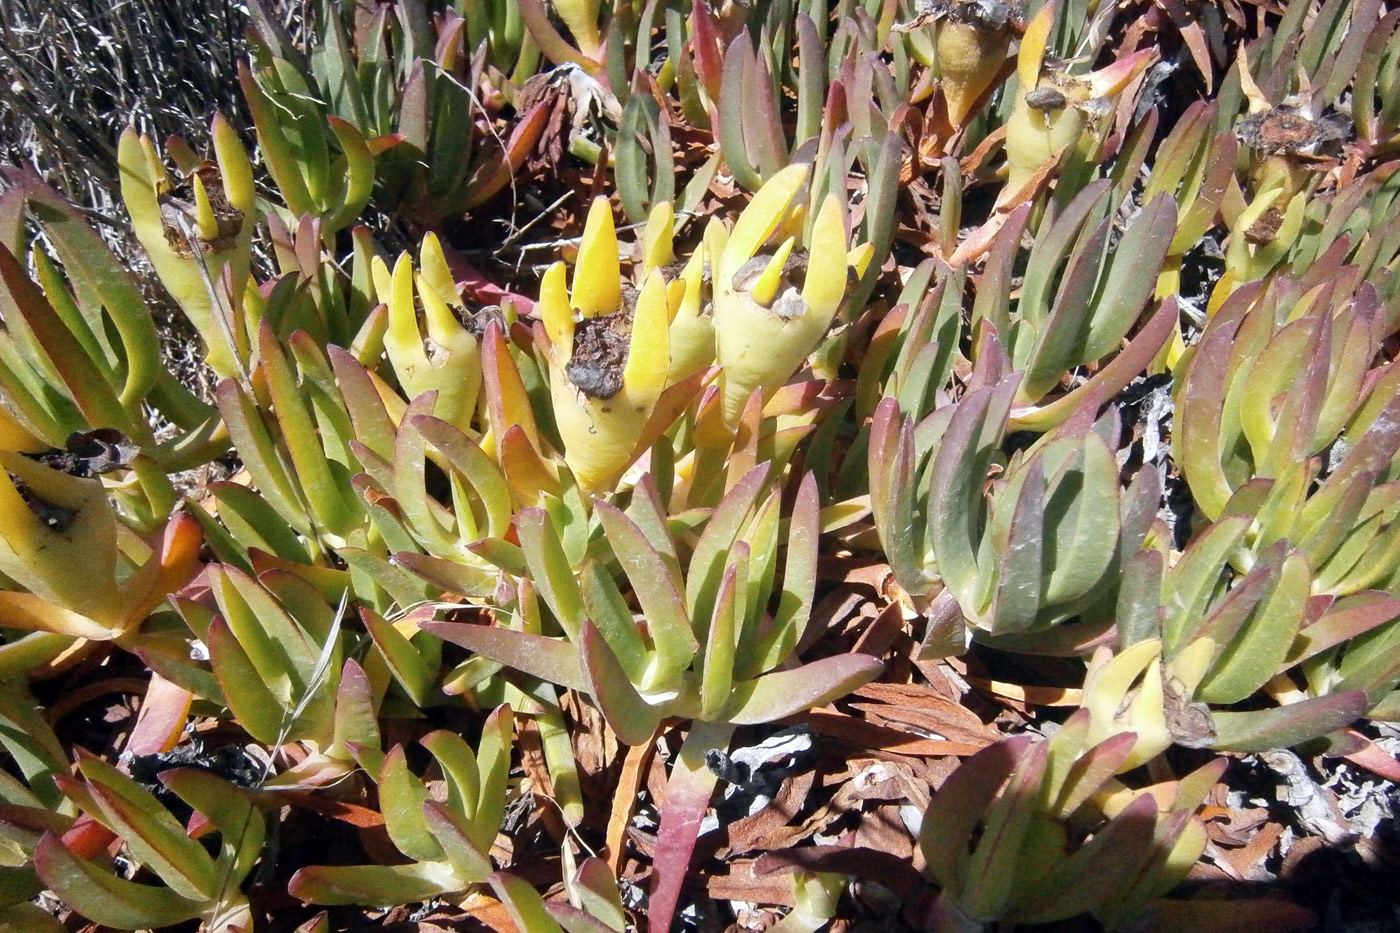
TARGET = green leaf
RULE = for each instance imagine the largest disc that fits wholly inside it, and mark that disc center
(609, 611)
(1287, 726)
(374, 885)
(671, 634)
(526, 906)
(1255, 654)
(404, 661)
(252, 703)
(783, 693)
(401, 799)
(799, 587)
(149, 831)
(459, 767)
(104, 898)
(452, 832)
(631, 717)
(960, 466)
(232, 812)
(717, 662)
(550, 570)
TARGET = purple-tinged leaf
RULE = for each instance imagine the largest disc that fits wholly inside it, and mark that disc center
(595, 889)
(574, 920)
(551, 659)
(991, 871)
(356, 719)
(955, 497)
(104, 898)
(451, 832)
(1286, 726)
(448, 575)
(1101, 871)
(1133, 274)
(733, 102)
(1140, 596)
(1091, 771)
(1019, 568)
(672, 636)
(472, 465)
(373, 885)
(688, 792)
(631, 717)
(783, 693)
(1348, 618)
(891, 471)
(1130, 362)
(960, 804)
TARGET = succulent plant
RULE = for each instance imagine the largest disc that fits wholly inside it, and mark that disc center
(1035, 832)
(1054, 107)
(195, 885)
(447, 842)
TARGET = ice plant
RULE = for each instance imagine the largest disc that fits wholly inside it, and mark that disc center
(772, 310)
(715, 647)
(193, 231)
(437, 353)
(972, 39)
(1053, 834)
(195, 884)
(609, 367)
(1039, 545)
(447, 843)
(1055, 108)
(88, 575)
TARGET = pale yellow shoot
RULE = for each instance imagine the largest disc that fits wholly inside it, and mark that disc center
(204, 212)
(658, 247)
(597, 278)
(434, 274)
(379, 274)
(1111, 80)
(692, 334)
(1031, 56)
(1191, 664)
(234, 167)
(1107, 685)
(765, 290)
(74, 567)
(443, 326)
(763, 215)
(859, 258)
(403, 341)
(675, 294)
(554, 309)
(581, 16)
(15, 436)
(826, 261)
(156, 175)
(649, 353)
